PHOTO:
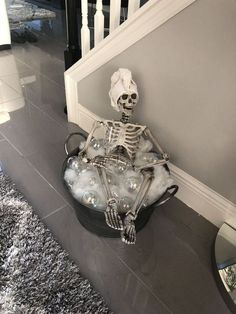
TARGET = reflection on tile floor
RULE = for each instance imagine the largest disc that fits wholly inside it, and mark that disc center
(169, 269)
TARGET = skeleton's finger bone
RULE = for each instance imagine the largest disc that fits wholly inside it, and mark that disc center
(130, 234)
(114, 220)
(131, 239)
(127, 235)
(108, 220)
(119, 221)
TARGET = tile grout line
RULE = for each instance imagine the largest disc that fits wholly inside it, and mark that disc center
(31, 103)
(35, 169)
(2, 79)
(45, 113)
(12, 99)
(124, 264)
(138, 278)
(31, 68)
(11, 87)
(53, 212)
(41, 175)
(43, 75)
(12, 145)
(130, 270)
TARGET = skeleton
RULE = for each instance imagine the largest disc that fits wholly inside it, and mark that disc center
(122, 140)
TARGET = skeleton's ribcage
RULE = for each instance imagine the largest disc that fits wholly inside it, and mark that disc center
(125, 135)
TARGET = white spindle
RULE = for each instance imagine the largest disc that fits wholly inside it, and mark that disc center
(115, 6)
(85, 32)
(98, 23)
(133, 6)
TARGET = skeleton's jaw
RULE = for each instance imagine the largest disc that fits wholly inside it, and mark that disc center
(128, 112)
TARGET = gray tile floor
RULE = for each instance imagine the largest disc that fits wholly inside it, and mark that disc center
(169, 269)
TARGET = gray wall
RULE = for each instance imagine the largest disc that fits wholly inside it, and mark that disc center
(186, 74)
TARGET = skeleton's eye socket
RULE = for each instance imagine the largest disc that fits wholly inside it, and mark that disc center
(133, 96)
(124, 97)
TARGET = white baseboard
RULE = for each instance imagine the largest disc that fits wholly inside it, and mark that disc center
(205, 201)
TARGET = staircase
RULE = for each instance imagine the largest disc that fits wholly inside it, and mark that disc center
(140, 21)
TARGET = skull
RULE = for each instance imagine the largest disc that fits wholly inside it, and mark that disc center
(127, 102)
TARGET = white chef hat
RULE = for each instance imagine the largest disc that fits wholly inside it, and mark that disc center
(121, 83)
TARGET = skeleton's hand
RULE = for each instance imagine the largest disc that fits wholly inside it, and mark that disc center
(128, 234)
(99, 161)
(83, 157)
(123, 161)
(118, 160)
(112, 217)
(163, 161)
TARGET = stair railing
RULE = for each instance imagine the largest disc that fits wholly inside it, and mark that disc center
(85, 31)
(115, 11)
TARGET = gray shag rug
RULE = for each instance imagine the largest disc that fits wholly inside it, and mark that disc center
(36, 274)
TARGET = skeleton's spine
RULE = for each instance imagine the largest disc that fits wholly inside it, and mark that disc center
(124, 119)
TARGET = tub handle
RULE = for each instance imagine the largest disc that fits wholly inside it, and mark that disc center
(68, 139)
(169, 193)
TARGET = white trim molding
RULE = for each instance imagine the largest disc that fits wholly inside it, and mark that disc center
(198, 196)
(205, 201)
(150, 16)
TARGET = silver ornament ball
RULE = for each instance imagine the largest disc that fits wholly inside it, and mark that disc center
(76, 164)
(92, 181)
(125, 204)
(90, 198)
(120, 168)
(115, 192)
(132, 183)
(96, 144)
(111, 179)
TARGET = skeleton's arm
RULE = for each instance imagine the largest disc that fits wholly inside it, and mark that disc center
(149, 135)
(165, 156)
(96, 125)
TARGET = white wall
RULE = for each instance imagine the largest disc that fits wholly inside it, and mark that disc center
(5, 38)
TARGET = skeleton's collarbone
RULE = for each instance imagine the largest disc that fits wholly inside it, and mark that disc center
(115, 123)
